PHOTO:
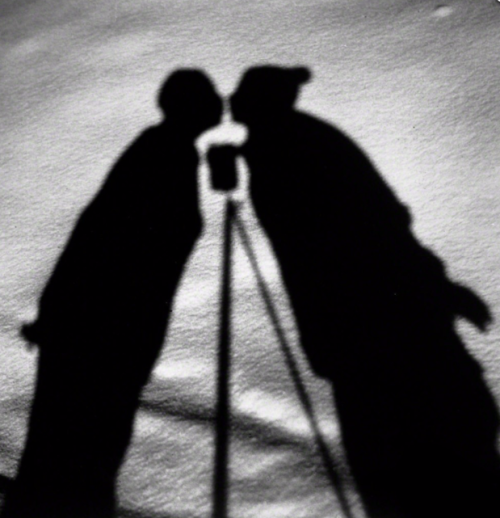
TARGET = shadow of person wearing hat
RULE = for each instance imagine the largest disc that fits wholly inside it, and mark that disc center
(375, 310)
(104, 312)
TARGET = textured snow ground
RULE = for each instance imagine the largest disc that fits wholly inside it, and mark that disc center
(414, 83)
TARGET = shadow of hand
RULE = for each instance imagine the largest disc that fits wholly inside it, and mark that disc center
(468, 305)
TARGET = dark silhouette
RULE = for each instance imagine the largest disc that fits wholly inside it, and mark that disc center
(222, 164)
(375, 310)
(104, 313)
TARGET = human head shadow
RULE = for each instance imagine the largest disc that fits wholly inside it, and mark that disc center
(104, 312)
(375, 309)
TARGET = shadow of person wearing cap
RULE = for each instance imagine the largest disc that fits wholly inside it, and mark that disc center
(104, 312)
(375, 310)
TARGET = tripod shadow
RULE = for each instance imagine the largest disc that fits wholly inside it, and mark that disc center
(375, 310)
(104, 312)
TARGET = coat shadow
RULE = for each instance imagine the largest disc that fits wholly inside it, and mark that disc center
(104, 312)
(376, 312)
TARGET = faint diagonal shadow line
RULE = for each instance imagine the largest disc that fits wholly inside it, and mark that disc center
(243, 425)
(126, 512)
(330, 464)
